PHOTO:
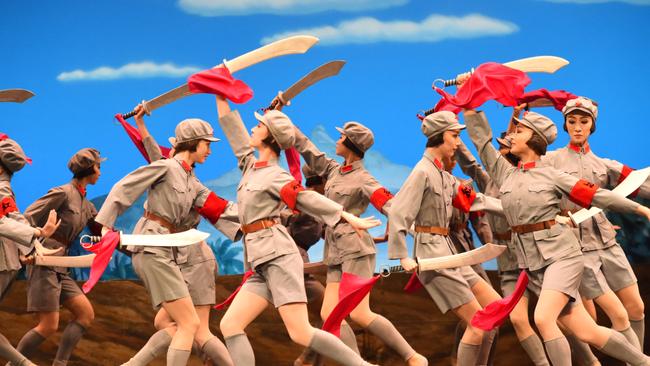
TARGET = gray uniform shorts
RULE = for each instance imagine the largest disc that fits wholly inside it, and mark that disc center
(508, 281)
(47, 289)
(161, 276)
(363, 266)
(200, 280)
(280, 281)
(605, 269)
(563, 276)
(450, 288)
(6, 279)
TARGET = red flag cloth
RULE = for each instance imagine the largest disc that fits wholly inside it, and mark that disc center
(293, 160)
(490, 81)
(495, 314)
(219, 81)
(557, 97)
(230, 298)
(351, 291)
(414, 284)
(135, 136)
(103, 250)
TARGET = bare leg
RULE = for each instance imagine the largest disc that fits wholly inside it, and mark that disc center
(187, 323)
(330, 300)
(633, 303)
(245, 308)
(468, 351)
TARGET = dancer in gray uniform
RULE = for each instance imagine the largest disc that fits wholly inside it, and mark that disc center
(352, 186)
(608, 278)
(425, 200)
(531, 196)
(264, 190)
(17, 237)
(174, 194)
(52, 287)
(198, 266)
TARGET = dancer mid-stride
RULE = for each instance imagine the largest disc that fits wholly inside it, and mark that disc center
(263, 192)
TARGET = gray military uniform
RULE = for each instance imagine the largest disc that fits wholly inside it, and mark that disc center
(533, 194)
(606, 266)
(351, 186)
(271, 252)
(49, 287)
(173, 193)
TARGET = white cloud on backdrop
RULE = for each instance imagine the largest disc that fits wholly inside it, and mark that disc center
(134, 70)
(281, 7)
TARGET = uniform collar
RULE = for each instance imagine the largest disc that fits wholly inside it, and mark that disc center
(435, 161)
(187, 167)
(345, 169)
(526, 166)
(580, 149)
(80, 188)
(265, 164)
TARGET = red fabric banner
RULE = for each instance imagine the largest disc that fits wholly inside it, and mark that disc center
(104, 251)
(495, 314)
(135, 136)
(293, 160)
(490, 81)
(230, 298)
(351, 291)
(414, 284)
(557, 97)
(219, 81)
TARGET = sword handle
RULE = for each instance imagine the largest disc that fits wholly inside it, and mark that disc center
(387, 270)
(89, 240)
(454, 81)
(129, 115)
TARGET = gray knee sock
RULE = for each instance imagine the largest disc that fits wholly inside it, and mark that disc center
(581, 351)
(559, 352)
(631, 337)
(535, 350)
(240, 350)
(30, 342)
(349, 338)
(486, 347)
(9, 353)
(329, 346)
(157, 344)
(618, 347)
(386, 331)
(177, 357)
(467, 354)
(217, 352)
(71, 336)
(458, 335)
(639, 329)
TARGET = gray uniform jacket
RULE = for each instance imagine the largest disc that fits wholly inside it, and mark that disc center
(259, 197)
(597, 232)
(174, 193)
(532, 194)
(352, 186)
(16, 234)
(72, 208)
(497, 222)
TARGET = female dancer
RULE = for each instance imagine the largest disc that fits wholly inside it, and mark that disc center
(263, 191)
(51, 287)
(531, 196)
(352, 186)
(426, 200)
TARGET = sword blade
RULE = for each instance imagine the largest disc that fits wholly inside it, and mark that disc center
(15, 95)
(475, 256)
(548, 64)
(182, 239)
(287, 46)
(324, 71)
(65, 261)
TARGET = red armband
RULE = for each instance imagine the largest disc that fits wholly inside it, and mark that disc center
(7, 205)
(379, 197)
(583, 193)
(289, 193)
(213, 207)
(624, 173)
(464, 198)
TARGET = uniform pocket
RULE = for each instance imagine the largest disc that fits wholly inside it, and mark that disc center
(540, 194)
(259, 245)
(555, 241)
(607, 232)
(347, 241)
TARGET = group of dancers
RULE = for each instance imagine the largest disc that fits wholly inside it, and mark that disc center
(570, 266)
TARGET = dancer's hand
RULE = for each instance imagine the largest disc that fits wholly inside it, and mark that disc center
(50, 226)
(644, 211)
(409, 264)
(360, 224)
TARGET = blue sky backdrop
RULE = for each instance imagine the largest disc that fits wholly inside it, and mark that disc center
(87, 60)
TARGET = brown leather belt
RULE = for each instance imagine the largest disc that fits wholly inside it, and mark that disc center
(258, 225)
(502, 236)
(164, 223)
(432, 230)
(529, 228)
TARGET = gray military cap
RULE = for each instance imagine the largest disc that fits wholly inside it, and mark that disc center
(280, 127)
(193, 129)
(540, 124)
(84, 159)
(439, 122)
(358, 134)
(12, 156)
(582, 104)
